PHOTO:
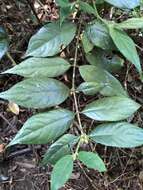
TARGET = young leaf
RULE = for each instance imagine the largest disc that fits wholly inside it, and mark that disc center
(62, 172)
(110, 86)
(92, 160)
(37, 93)
(44, 127)
(3, 42)
(121, 134)
(131, 23)
(124, 4)
(126, 46)
(100, 58)
(59, 149)
(98, 34)
(111, 109)
(43, 67)
(90, 88)
(87, 45)
(49, 40)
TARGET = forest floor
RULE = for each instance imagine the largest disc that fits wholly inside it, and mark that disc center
(19, 169)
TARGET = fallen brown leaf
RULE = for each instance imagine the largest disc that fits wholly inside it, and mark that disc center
(2, 148)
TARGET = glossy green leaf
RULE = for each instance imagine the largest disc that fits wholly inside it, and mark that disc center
(37, 93)
(92, 160)
(124, 4)
(62, 172)
(98, 34)
(44, 127)
(86, 7)
(126, 46)
(90, 88)
(87, 45)
(59, 149)
(3, 42)
(132, 23)
(109, 62)
(96, 74)
(50, 39)
(111, 109)
(121, 134)
(43, 67)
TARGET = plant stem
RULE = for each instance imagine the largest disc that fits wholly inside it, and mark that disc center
(77, 149)
(83, 139)
(11, 59)
(73, 80)
(96, 12)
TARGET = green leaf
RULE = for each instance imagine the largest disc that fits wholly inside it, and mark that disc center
(44, 127)
(109, 62)
(90, 88)
(124, 4)
(87, 45)
(59, 149)
(66, 8)
(43, 67)
(126, 46)
(111, 109)
(62, 172)
(121, 134)
(50, 39)
(37, 93)
(99, 1)
(110, 85)
(114, 64)
(98, 34)
(86, 7)
(131, 23)
(62, 3)
(92, 160)
(64, 13)
(3, 42)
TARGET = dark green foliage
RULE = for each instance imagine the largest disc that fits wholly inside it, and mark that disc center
(99, 39)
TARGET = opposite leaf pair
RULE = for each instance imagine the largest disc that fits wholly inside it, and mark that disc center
(110, 36)
(65, 166)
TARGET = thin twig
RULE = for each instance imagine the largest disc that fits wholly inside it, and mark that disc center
(22, 151)
(11, 59)
(3, 117)
(89, 179)
(33, 10)
(73, 80)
